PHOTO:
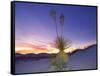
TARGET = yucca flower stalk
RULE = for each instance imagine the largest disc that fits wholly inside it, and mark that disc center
(62, 23)
(53, 15)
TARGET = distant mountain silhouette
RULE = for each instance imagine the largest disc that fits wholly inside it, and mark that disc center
(77, 52)
(83, 50)
(33, 56)
(83, 58)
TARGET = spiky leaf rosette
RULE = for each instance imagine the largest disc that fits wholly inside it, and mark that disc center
(61, 58)
(61, 43)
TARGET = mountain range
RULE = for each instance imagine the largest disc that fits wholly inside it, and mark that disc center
(46, 55)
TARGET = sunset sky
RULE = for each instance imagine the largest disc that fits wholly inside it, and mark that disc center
(35, 30)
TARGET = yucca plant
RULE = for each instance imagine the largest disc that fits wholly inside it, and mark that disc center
(61, 44)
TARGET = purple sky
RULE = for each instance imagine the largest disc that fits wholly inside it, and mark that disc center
(34, 25)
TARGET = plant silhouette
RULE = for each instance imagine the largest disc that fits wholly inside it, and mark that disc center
(60, 43)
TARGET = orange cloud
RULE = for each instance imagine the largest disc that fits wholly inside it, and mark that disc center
(25, 48)
(24, 51)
